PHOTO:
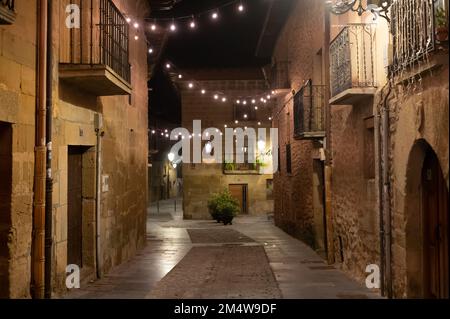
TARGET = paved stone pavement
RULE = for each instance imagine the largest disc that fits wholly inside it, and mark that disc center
(251, 259)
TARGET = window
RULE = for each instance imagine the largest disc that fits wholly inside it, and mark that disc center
(369, 148)
(7, 13)
(299, 110)
(288, 159)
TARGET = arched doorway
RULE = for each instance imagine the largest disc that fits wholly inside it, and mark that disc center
(435, 214)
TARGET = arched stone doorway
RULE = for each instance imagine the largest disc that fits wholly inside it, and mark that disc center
(427, 225)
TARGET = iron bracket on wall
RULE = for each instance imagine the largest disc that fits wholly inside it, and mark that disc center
(381, 9)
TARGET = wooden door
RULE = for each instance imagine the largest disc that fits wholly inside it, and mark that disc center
(239, 192)
(75, 207)
(436, 225)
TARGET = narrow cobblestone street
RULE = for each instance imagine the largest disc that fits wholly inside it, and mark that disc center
(203, 259)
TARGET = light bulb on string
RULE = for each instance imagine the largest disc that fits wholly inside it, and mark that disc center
(173, 27)
(216, 97)
(180, 76)
(256, 108)
(136, 25)
(192, 24)
(215, 15)
(241, 7)
(153, 27)
(245, 102)
(136, 37)
(150, 50)
(128, 20)
(168, 66)
(203, 91)
(238, 101)
(224, 99)
(191, 85)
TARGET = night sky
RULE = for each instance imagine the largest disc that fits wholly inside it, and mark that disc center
(228, 42)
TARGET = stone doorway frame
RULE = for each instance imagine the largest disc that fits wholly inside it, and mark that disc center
(415, 219)
(89, 195)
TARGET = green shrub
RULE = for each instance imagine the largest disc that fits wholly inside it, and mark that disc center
(223, 207)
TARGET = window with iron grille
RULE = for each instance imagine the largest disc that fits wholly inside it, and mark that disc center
(7, 13)
(102, 39)
(413, 29)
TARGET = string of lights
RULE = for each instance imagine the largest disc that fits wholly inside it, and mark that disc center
(156, 24)
(257, 101)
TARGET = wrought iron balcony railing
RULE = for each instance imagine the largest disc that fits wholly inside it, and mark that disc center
(413, 28)
(7, 12)
(241, 168)
(309, 111)
(352, 59)
(101, 40)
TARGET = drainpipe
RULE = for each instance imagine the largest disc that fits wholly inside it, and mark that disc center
(100, 134)
(49, 179)
(379, 126)
(38, 237)
(327, 141)
(386, 195)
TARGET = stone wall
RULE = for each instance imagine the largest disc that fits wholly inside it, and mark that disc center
(419, 119)
(17, 105)
(124, 160)
(124, 157)
(299, 43)
(354, 205)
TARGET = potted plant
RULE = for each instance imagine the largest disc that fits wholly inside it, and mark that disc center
(212, 206)
(441, 25)
(223, 207)
(229, 166)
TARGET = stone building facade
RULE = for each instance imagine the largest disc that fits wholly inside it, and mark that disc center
(99, 145)
(250, 185)
(386, 143)
(299, 184)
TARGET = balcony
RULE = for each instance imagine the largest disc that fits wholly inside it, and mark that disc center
(95, 56)
(7, 13)
(417, 31)
(352, 77)
(278, 77)
(309, 111)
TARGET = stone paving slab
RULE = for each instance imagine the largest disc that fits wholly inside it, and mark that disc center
(220, 273)
(224, 235)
